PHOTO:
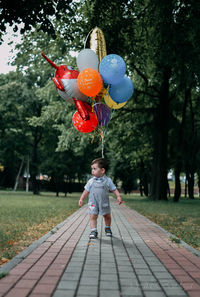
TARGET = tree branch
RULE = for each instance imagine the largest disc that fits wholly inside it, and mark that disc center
(146, 93)
(139, 72)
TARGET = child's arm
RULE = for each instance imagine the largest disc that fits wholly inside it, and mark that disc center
(119, 198)
(83, 196)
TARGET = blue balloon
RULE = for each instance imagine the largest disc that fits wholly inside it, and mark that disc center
(112, 69)
(122, 91)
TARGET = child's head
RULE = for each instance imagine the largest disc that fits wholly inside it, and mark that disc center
(99, 167)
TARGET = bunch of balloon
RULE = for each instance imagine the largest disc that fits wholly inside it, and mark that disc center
(78, 87)
(112, 69)
(90, 84)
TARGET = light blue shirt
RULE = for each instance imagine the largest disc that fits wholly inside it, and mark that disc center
(111, 186)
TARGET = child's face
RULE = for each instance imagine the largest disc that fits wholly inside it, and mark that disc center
(96, 171)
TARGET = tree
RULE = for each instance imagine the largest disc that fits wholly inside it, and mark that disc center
(14, 130)
(157, 41)
(32, 13)
(161, 52)
(184, 110)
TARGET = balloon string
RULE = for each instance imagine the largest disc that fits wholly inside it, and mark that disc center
(102, 146)
(87, 38)
(92, 138)
(93, 102)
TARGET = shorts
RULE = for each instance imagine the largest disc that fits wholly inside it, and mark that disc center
(99, 207)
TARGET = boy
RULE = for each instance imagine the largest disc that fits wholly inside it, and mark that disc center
(98, 188)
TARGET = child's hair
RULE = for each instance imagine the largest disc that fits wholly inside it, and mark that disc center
(102, 163)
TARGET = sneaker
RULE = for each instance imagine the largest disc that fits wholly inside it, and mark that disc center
(108, 231)
(93, 234)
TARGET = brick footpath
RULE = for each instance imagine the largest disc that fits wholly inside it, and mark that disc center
(139, 260)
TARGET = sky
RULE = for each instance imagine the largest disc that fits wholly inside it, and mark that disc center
(7, 51)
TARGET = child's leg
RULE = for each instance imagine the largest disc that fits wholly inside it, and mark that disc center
(93, 221)
(107, 219)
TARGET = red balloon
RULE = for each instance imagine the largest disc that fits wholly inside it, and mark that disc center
(84, 126)
(83, 108)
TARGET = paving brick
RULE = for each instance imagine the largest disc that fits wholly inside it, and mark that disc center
(109, 285)
(64, 293)
(86, 291)
(90, 273)
(25, 283)
(146, 278)
(67, 285)
(175, 291)
(44, 289)
(89, 281)
(18, 292)
(142, 271)
(151, 286)
(109, 293)
(109, 277)
(154, 294)
(49, 279)
(5, 287)
(131, 291)
(194, 293)
(125, 268)
(70, 276)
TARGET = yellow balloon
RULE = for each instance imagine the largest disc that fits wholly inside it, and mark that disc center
(113, 104)
(101, 94)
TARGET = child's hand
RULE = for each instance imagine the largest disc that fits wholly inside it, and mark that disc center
(80, 203)
(119, 199)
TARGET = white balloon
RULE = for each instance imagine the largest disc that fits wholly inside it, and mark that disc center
(65, 96)
(71, 91)
(87, 58)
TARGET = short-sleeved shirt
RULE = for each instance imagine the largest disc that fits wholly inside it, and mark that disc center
(109, 183)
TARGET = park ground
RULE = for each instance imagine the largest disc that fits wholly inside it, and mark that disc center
(24, 217)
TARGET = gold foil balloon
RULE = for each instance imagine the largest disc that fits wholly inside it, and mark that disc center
(113, 104)
(98, 43)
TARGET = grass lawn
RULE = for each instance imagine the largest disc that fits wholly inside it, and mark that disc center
(24, 218)
(182, 219)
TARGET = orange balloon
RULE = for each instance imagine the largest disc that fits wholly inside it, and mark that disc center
(84, 126)
(89, 82)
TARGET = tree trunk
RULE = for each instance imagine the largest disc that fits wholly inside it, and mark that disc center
(190, 179)
(177, 192)
(34, 164)
(144, 179)
(199, 183)
(168, 189)
(146, 188)
(159, 168)
(186, 188)
(34, 172)
(141, 187)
